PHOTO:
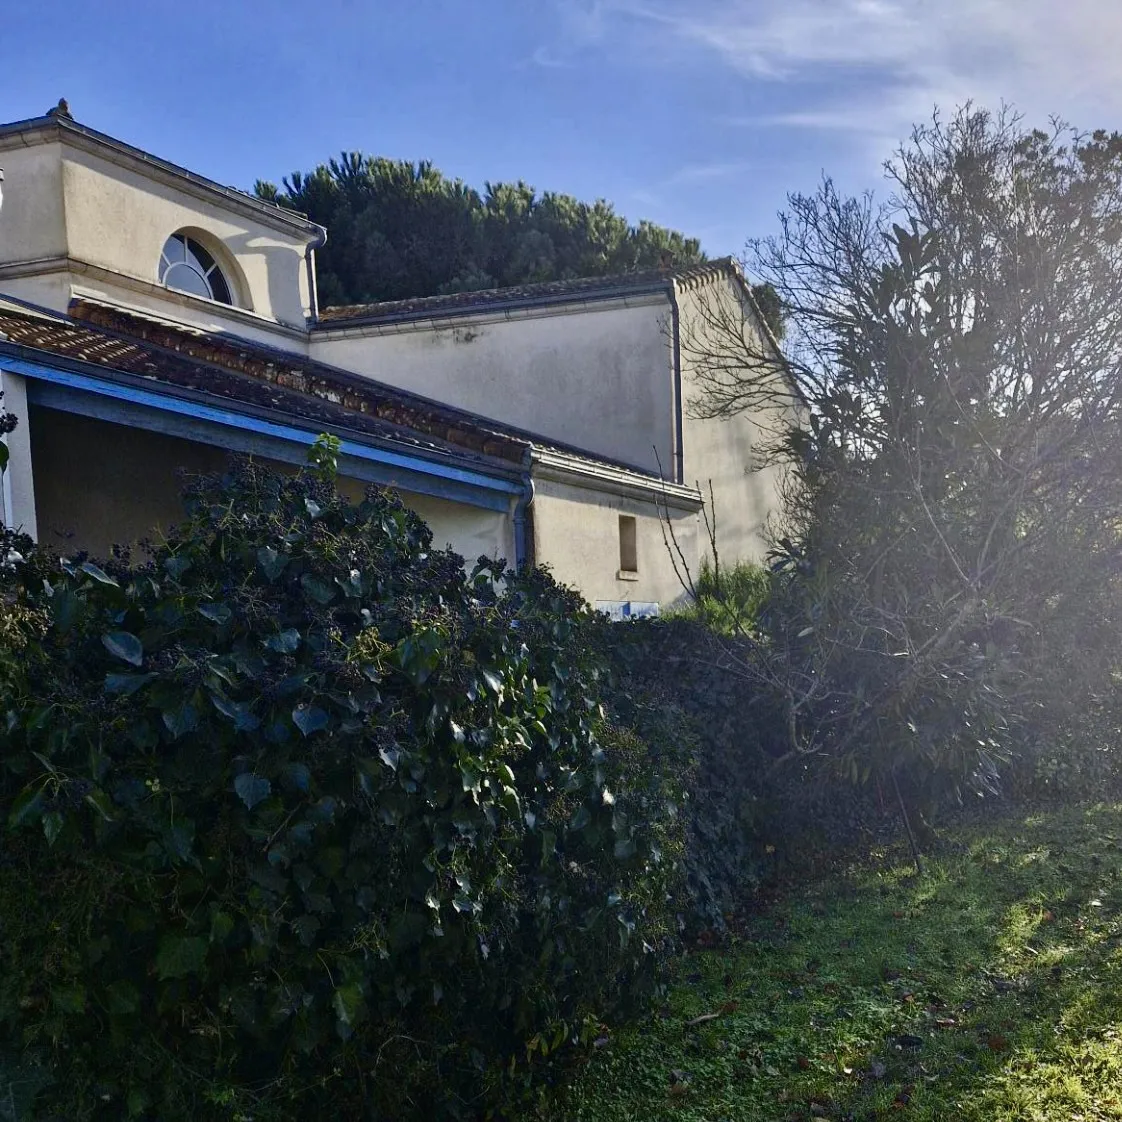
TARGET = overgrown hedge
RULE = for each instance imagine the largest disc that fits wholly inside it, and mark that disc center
(746, 820)
(298, 819)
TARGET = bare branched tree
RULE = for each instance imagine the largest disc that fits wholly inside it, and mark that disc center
(949, 585)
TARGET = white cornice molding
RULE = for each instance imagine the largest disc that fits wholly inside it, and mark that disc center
(561, 467)
(73, 266)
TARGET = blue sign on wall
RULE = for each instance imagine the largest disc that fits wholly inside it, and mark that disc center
(627, 609)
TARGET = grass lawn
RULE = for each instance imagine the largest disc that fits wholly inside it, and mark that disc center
(989, 988)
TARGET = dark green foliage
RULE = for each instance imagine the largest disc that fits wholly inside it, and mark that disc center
(746, 820)
(771, 308)
(399, 230)
(945, 591)
(296, 815)
(729, 600)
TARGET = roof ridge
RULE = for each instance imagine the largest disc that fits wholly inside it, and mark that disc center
(538, 293)
(591, 280)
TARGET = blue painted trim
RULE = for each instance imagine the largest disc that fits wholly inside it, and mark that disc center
(208, 414)
(68, 400)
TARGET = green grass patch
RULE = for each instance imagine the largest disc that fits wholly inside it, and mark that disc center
(989, 988)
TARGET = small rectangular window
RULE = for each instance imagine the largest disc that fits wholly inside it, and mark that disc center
(628, 547)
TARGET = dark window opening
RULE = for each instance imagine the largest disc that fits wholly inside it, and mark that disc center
(628, 544)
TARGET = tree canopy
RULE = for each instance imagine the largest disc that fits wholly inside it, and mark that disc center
(947, 586)
(400, 229)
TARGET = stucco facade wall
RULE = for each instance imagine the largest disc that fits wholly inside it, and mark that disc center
(467, 530)
(576, 534)
(98, 484)
(32, 219)
(599, 380)
(723, 450)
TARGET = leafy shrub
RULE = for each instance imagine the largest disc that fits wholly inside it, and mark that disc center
(729, 600)
(297, 814)
(746, 819)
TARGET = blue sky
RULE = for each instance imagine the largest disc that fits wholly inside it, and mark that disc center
(698, 114)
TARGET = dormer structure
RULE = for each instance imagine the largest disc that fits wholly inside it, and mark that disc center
(86, 216)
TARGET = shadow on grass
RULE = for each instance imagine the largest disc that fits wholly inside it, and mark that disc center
(991, 988)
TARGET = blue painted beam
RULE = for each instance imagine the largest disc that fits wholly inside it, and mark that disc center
(131, 405)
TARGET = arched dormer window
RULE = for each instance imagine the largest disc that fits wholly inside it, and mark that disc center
(187, 266)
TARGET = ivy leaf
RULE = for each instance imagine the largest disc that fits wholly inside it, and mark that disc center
(306, 928)
(180, 955)
(580, 819)
(121, 998)
(221, 926)
(53, 823)
(309, 719)
(323, 810)
(272, 563)
(98, 574)
(245, 720)
(179, 840)
(175, 567)
(284, 642)
(124, 645)
(216, 612)
(319, 591)
(296, 777)
(126, 684)
(252, 789)
(28, 807)
(65, 605)
(99, 800)
(348, 1007)
(180, 720)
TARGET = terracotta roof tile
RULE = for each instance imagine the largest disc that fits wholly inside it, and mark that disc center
(254, 376)
(263, 377)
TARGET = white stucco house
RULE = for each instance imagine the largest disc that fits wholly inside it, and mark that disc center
(152, 320)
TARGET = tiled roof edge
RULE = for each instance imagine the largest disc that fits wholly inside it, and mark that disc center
(546, 294)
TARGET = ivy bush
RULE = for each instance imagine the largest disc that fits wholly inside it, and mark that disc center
(297, 816)
(746, 820)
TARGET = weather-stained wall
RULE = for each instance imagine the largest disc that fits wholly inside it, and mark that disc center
(597, 377)
(577, 536)
(727, 453)
(32, 217)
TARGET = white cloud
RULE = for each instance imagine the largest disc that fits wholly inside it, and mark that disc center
(708, 172)
(888, 62)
